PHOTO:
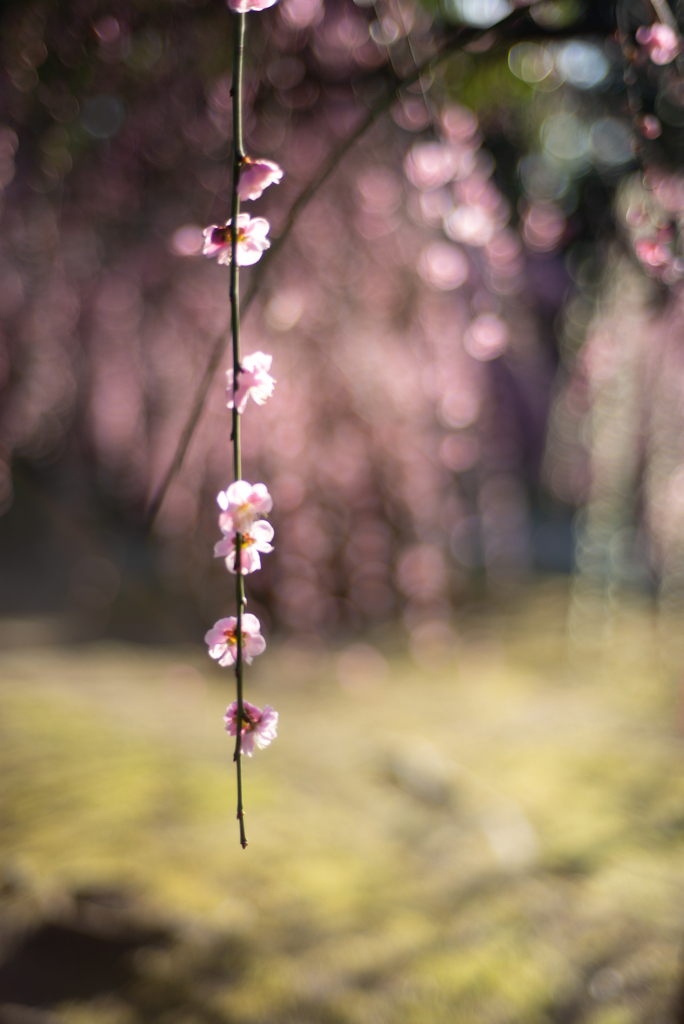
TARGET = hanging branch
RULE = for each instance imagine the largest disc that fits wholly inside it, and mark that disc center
(238, 157)
(242, 240)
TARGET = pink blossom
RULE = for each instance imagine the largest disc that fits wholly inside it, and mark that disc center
(242, 504)
(251, 240)
(660, 42)
(255, 540)
(255, 380)
(222, 639)
(258, 726)
(256, 175)
(243, 6)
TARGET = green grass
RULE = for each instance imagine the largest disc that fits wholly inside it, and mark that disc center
(494, 836)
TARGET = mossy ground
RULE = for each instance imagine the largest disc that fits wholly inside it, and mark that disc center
(494, 834)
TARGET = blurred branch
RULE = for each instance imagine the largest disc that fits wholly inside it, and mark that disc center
(238, 159)
(628, 73)
(664, 14)
(517, 26)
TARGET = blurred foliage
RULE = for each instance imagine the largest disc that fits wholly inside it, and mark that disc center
(487, 85)
(431, 303)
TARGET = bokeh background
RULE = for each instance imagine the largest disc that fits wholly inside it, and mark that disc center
(476, 452)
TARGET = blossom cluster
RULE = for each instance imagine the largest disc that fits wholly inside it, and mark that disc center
(651, 212)
(251, 241)
(246, 535)
(241, 506)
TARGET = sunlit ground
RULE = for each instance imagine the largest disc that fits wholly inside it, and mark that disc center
(491, 834)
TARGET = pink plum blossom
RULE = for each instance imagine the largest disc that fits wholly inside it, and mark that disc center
(222, 640)
(243, 6)
(660, 42)
(257, 539)
(256, 175)
(258, 726)
(251, 240)
(242, 504)
(254, 380)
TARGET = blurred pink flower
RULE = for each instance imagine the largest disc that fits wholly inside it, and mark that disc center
(668, 190)
(652, 252)
(429, 165)
(242, 504)
(486, 338)
(254, 380)
(256, 175)
(443, 266)
(472, 225)
(243, 6)
(251, 240)
(659, 41)
(222, 640)
(459, 124)
(301, 13)
(258, 726)
(543, 225)
(256, 539)
(649, 126)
